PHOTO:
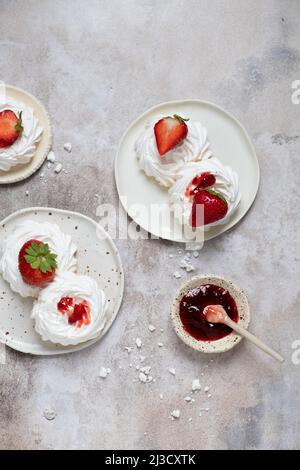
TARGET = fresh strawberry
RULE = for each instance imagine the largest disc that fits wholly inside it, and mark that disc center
(10, 127)
(169, 132)
(37, 264)
(202, 181)
(215, 207)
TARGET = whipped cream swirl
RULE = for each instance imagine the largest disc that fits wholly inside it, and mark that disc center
(53, 326)
(23, 149)
(227, 185)
(60, 243)
(164, 170)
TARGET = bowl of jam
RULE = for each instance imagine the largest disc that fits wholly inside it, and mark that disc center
(188, 318)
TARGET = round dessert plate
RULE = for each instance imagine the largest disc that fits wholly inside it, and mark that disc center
(140, 195)
(220, 345)
(97, 257)
(21, 172)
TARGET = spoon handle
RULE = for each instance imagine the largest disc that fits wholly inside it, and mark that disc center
(254, 339)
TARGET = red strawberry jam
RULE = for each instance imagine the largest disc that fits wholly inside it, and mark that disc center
(202, 181)
(191, 312)
(78, 314)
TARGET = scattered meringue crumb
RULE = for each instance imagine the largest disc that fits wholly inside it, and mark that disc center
(138, 343)
(104, 372)
(49, 414)
(58, 168)
(142, 358)
(196, 385)
(177, 275)
(51, 157)
(190, 420)
(142, 377)
(128, 349)
(161, 396)
(209, 395)
(200, 414)
(184, 264)
(161, 330)
(206, 389)
(190, 268)
(196, 254)
(151, 328)
(146, 370)
(171, 256)
(175, 414)
(130, 365)
(137, 367)
(26, 193)
(160, 345)
(188, 399)
(68, 147)
(172, 371)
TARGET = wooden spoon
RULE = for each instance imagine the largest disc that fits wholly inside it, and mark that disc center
(217, 314)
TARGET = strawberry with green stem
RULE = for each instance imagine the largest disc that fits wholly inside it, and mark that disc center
(37, 264)
(11, 127)
(214, 205)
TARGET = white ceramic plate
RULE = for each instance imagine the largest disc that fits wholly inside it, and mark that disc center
(229, 142)
(97, 256)
(21, 172)
(220, 345)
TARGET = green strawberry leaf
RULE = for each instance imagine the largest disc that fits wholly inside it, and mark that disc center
(179, 118)
(40, 257)
(215, 193)
(30, 259)
(35, 264)
(19, 126)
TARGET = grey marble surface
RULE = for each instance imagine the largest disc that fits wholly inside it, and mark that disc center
(96, 66)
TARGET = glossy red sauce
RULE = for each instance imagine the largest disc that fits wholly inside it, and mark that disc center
(202, 181)
(191, 312)
(78, 314)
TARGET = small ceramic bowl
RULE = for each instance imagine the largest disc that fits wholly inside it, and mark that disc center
(225, 343)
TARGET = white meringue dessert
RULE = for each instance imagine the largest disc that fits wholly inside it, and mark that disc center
(23, 149)
(70, 310)
(225, 184)
(60, 243)
(164, 169)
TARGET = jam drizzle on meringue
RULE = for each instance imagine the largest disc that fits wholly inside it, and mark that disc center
(202, 181)
(78, 313)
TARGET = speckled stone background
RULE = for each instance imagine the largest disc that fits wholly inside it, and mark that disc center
(96, 66)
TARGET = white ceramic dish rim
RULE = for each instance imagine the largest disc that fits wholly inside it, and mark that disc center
(229, 225)
(221, 345)
(86, 344)
(28, 170)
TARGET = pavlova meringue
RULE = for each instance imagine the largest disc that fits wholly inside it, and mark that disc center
(60, 244)
(70, 310)
(221, 180)
(165, 169)
(23, 148)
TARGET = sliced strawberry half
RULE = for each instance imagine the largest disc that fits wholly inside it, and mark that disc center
(214, 205)
(37, 264)
(11, 127)
(169, 132)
